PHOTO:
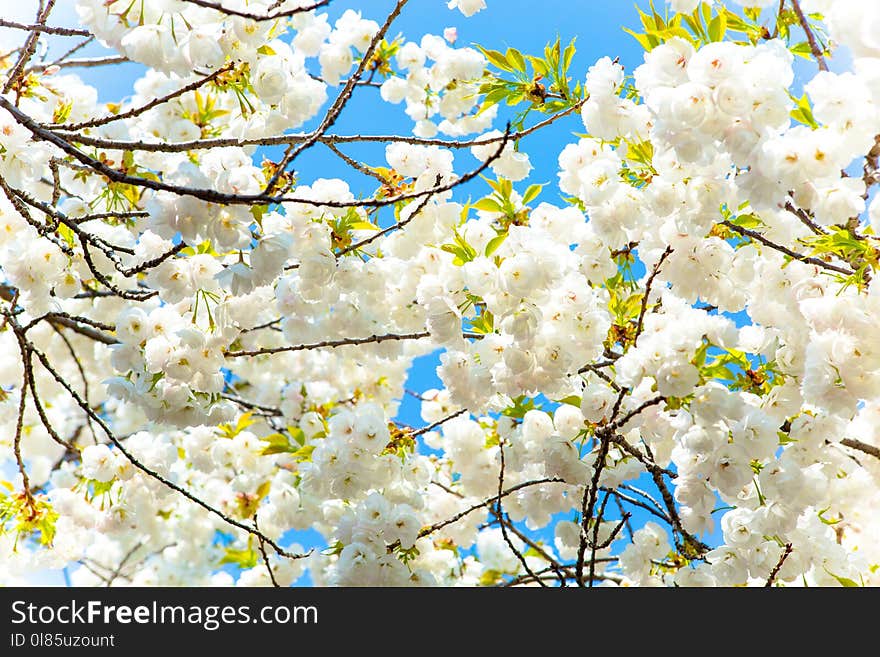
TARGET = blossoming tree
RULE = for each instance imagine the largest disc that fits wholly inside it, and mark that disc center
(201, 342)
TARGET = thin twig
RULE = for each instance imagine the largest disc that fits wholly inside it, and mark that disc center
(782, 249)
(220, 7)
(137, 111)
(286, 139)
(775, 572)
(45, 29)
(811, 37)
(500, 514)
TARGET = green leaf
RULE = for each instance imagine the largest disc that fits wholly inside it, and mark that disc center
(568, 55)
(647, 20)
(495, 96)
(538, 65)
(521, 406)
(532, 193)
(488, 204)
(66, 234)
(494, 243)
(363, 225)
(803, 113)
(828, 521)
(843, 581)
(490, 578)
(802, 50)
(257, 211)
(98, 488)
(555, 53)
(749, 221)
(753, 13)
(298, 435)
(515, 58)
(497, 59)
(646, 41)
(277, 443)
(226, 430)
(484, 324)
(242, 558)
(734, 22)
(718, 27)
(699, 359)
(707, 12)
(462, 251)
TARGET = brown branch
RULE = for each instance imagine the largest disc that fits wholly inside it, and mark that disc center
(852, 443)
(786, 251)
(45, 29)
(804, 217)
(281, 140)
(266, 411)
(588, 503)
(137, 111)
(16, 442)
(775, 572)
(811, 38)
(218, 6)
(625, 516)
(598, 372)
(339, 103)
(30, 46)
(595, 538)
(152, 473)
(82, 373)
(214, 196)
(436, 424)
(525, 579)
(87, 238)
(123, 561)
(82, 44)
(426, 531)
(779, 11)
(647, 496)
(644, 307)
(330, 343)
(397, 226)
(871, 169)
(354, 164)
(91, 62)
(265, 557)
(561, 574)
(641, 407)
(499, 512)
(669, 503)
(73, 323)
(649, 464)
(41, 412)
(622, 497)
(22, 209)
(131, 295)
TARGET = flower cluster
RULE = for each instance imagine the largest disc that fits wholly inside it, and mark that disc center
(668, 374)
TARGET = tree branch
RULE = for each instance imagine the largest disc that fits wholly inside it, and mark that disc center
(218, 6)
(852, 443)
(811, 37)
(786, 251)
